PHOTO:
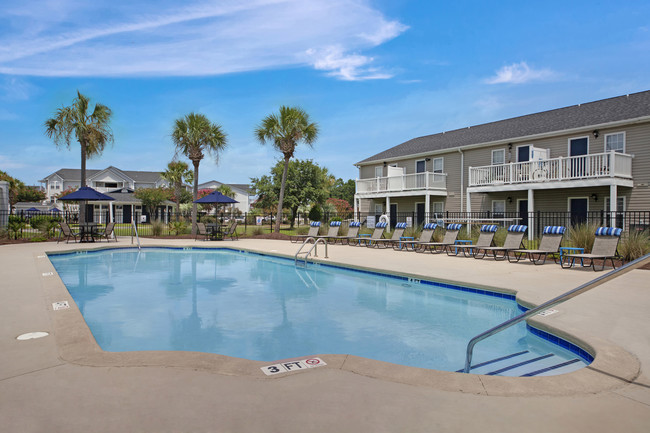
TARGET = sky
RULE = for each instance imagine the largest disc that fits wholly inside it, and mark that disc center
(371, 74)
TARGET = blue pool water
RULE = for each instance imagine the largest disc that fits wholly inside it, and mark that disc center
(264, 308)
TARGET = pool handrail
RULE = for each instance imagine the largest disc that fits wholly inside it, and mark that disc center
(314, 247)
(555, 301)
(135, 229)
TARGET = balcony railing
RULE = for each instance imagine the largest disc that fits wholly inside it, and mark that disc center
(591, 166)
(406, 182)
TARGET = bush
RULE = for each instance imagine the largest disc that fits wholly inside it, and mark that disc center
(634, 245)
(15, 225)
(315, 213)
(257, 230)
(157, 228)
(45, 224)
(582, 236)
(178, 228)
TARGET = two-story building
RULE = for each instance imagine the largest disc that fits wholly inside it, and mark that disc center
(241, 193)
(569, 161)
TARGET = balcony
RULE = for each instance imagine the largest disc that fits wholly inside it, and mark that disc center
(407, 184)
(562, 169)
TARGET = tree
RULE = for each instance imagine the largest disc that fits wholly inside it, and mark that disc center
(343, 190)
(305, 184)
(342, 207)
(193, 135)
(30, 193)
(15, 186)
(177, 172)
(151, 198)
(288, 129)
(91, 129)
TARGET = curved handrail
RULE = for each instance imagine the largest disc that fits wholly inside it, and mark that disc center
(548, 304)
(135, 229)
(314, 247)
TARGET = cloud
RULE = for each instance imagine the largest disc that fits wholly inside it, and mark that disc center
(197, 38)
(519, 73)
(15, 89)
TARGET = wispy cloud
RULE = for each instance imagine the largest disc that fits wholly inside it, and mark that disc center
(197, 38)
(519, 73)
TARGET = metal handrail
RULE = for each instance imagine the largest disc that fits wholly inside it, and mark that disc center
(314, 247)
(555, 301)
(135, 229)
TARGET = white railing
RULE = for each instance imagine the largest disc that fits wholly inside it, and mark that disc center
(598, 165)
(406, 182)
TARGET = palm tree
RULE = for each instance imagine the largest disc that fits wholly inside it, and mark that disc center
(177, 172)
(286, 131)
(193, 135)
(90, 129)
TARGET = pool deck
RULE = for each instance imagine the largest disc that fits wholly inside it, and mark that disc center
(65, 383)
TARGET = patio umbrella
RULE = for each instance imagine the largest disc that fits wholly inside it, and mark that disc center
(32, 209)
(54, 209)
(86, 193)
(216, 197)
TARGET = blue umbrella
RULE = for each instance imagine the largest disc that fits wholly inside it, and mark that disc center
(215, 197)
(86, 193)
(32, 209)
(54, 210)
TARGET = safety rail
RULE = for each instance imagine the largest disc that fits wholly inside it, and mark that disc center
(135, 230)
(555, 301)
(314, 248)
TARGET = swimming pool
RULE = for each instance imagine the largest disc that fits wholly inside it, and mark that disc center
(265, 308)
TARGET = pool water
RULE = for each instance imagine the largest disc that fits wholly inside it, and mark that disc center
(265, 308)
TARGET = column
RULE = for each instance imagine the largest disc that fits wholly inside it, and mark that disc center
(613, 199)
(427, 208)
(388, 211)
(469, 210)
(531, 215)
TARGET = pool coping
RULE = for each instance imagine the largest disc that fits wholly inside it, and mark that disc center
(611, 368)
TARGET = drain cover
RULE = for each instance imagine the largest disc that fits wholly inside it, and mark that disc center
(32, 335)
(547, 313)
(61, 305)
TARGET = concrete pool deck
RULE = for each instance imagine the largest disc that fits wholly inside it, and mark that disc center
(64, 382)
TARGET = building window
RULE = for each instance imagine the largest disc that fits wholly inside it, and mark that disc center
(498, 208)
(438, 208)
(498, 157)
(110, 185)
(378, 208)
(438, 165)
(615, 142)
(379, 171)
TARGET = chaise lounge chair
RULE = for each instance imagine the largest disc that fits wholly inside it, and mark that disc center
(485, 239)
(366, 241)
(550, 244)
(67, 232)
(333, 231)
(314, 226)
(395, 238)
(353, 233)
(450, 238)
(605, 248)
(514, 241)
(425, 237)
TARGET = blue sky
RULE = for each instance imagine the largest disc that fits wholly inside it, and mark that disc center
(372, 74)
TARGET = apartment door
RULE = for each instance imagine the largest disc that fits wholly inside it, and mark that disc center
(578, 147)
(126, 213)
(523, 212)
(393, 214)
(419, 213)
(420, 167)
(578, 208)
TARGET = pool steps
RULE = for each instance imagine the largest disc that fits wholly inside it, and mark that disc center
(521, 364)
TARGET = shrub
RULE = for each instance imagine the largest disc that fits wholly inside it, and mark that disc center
(45, 224)
(302, 230)
(177, 227)
(38, 239)
(257, 231)
(15, 225)
(500, 236)
(634, 245)
(582, 236)
(413, 231)
(315, 213)
(157, 228)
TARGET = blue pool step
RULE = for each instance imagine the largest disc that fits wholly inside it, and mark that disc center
(525, 364)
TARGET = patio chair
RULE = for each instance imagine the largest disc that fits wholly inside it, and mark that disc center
(333, 231)
(514, 241)
(201, 230)
(605, 248)
(107, 232)
(485, 239)
(366, 241)
(67, 232)
(550, 244)
(450, 238)
(425, 237)
(398, 232)
(314, 226)
(231, 232)
(353, 233)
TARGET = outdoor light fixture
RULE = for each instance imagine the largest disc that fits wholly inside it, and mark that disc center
(509, 146)
(428, 159)
(596, 133)
(594, 196)
(384, 163)
(509, 199)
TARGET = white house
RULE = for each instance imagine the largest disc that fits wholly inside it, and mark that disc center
(242, 193)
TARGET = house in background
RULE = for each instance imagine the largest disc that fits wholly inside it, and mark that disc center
(572, 161)
(242, 193)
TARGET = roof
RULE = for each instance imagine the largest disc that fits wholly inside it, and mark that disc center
(242, 187)
(620, 108)
(137, 176)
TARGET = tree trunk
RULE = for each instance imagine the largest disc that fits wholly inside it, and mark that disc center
(82, 204)
(278, 219)
(195, 194)
(177, 187)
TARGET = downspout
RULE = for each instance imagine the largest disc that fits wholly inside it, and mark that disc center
(462, 176)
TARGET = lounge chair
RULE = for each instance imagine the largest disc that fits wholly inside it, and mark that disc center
(366, 241)
(231, 232)
(353, 233)
(450, 238)
(398, 232)
(605, 248)
(514, 241)
(67, 232)
(108, 231)
(425, 237)
(201, 231)
(485, 239)
(550, 244)
(314, 226)
(333, 231)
